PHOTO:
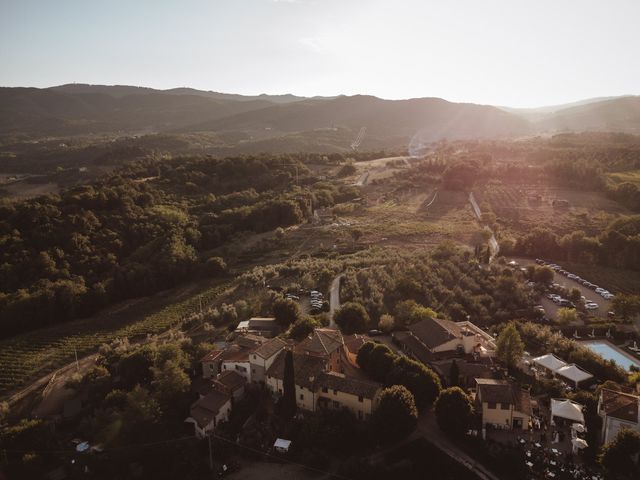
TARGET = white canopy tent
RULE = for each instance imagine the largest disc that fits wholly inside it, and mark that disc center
(564, 408)
(578, 444)
(574, 373)
(550, 362)
(281, 445)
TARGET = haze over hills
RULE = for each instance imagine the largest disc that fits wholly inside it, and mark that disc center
(79, 109)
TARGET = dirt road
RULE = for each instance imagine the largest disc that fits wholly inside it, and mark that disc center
(334, 300)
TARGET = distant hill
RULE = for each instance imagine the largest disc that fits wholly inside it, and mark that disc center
(429, 118)
(80, 109)
(621, 114)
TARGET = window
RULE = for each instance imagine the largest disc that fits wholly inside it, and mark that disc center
(254, 357)
(335, 392)
(253, 370)
(504, 406)
(491, 405)
(302, 396)
(360, 399)
(211, 366)
(224, 367)
(325, 390)
(359, 414)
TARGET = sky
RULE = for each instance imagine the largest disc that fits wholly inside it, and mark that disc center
(520, 53)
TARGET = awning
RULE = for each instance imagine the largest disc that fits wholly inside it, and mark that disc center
(567, 409)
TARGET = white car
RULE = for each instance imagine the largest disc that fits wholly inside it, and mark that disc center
(591, 306)
(608, 296)
(599, 290)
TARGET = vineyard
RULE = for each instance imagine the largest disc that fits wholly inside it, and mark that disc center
(26, 357)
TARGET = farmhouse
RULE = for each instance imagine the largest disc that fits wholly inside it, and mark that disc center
(502, 404)
(618, 410)
(434, 338)
(207, 412)
(262, 357)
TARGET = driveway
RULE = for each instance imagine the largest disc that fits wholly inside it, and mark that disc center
(334, 300)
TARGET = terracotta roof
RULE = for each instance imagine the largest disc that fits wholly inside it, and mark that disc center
(203, 411)
(353, 386)
(306, 368)
(354, 342)
(236, 353)
(323, 341)
(433, 332)
(619, 405)
(270, 348)
(212, 356)
(501, 391)
(231, 380)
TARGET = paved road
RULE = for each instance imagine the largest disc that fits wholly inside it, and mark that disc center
(362, 179)
(428, 427)
(334, 300)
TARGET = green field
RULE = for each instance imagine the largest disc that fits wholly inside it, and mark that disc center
(24, 358)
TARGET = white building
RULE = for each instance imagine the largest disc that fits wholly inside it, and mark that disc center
(618, 410)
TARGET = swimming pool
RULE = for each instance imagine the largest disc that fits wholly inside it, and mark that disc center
(609, 352)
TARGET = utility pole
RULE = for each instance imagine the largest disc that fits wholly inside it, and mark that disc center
(75, 351)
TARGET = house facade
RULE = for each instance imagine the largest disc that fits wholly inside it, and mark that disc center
(502, 405)
(618, 410)
(262, 357)
(208, 412)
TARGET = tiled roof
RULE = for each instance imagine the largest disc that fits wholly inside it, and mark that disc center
(619, 405)
(212, 356)
(354, 342)
(433, 332)
(203, 411)
(236, 353)
(323, 341)
(501, 391)
(353, 386)
(414, 346)
(231, 380)
(306, 368)
(270, 348)
(249, 340)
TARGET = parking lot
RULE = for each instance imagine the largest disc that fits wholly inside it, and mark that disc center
(551, 308)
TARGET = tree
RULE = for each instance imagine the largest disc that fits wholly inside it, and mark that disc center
(454, 374)
(286, 311)
(4, 411)
(627, 306)
(509, 345)
(288, 387)
(215, 266)
(421, 381)
(542, 275)
(453, 410)
(364, 354)
(396, 415)
(380, 362)
(352, 318)
(303, 328)
(575, 295)
(386, 323)
(617, 456)
(565, 316)
(170, 383)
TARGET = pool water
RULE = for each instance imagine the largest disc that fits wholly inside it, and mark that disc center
(608, 352)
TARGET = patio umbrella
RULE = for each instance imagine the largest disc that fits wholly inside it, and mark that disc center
(578, 427)
(578, 444)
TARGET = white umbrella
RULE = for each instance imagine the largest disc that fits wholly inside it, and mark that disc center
(579, 443)
(578, 427)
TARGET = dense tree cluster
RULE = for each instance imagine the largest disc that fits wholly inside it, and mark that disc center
(380, 363)
(145, 228)
(444, 280)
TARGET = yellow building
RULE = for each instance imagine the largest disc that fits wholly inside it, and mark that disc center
(503, 405)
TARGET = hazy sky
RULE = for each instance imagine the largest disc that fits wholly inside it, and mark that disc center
(508, 52)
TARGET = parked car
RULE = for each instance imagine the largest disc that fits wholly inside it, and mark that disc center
(608, 296)
(599, 290)
(375, 333)
(591, 306)
(566, 303)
